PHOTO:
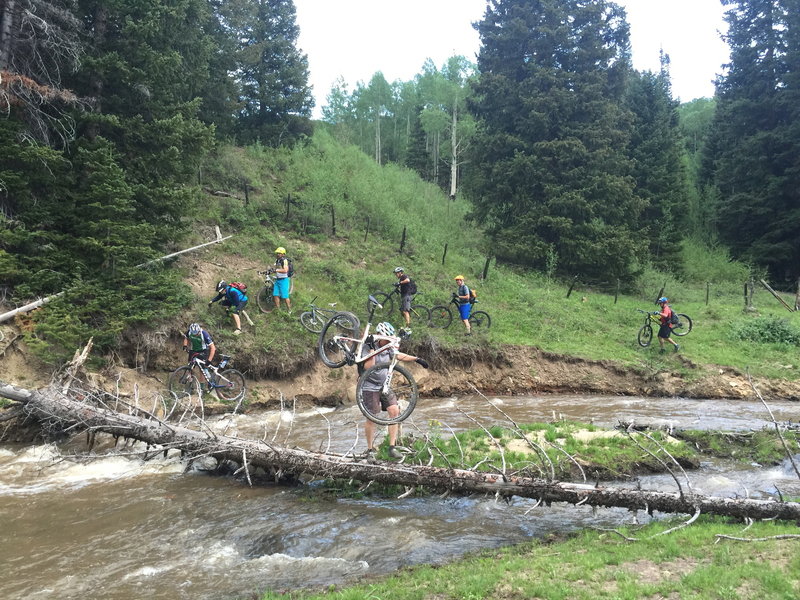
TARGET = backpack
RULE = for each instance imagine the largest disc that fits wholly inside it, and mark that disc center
(289, 263)
(673, 317)
(412, 287)
(473, 296)
(242, 287)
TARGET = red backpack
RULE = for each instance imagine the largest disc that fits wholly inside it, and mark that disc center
(242, 287)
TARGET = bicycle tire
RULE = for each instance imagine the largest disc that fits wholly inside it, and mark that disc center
(312, 321)
(183, 383)
(420, 315)
(264, 299)
(684, 325)
(230, 385)
(386, 307)
(645, 335)
(480, 320)
(404, 387)
(332, 354)
(441, 317)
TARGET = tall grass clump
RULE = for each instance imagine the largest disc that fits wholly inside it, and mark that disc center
(702, 263)
(767, 330)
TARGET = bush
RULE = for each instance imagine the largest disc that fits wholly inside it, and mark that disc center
(767, 330)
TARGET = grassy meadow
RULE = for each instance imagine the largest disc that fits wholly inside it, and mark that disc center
(342, 219)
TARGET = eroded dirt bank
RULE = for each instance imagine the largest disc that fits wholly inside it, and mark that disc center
(506, 370)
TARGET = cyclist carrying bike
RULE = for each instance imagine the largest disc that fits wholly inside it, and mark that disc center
(464, 304)
(233, 298)
(407, 289)
(373, 386)
(198, 343)
(666, 325)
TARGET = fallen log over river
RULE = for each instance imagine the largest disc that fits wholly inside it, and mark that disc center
(53, 407)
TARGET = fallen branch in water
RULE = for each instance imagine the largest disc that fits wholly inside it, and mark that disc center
(58, 410)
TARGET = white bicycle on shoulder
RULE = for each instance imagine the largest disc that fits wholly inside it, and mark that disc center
(339, 345)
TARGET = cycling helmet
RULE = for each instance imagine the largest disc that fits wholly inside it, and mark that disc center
(399, 270)
(280, 250)
(457, 277)
(195, 329)
(221, 285)
(384, 329)
(662, 299)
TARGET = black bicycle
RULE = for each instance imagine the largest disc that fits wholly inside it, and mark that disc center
(314, 320)
(442, 316)
(420, 314)
(681, 328)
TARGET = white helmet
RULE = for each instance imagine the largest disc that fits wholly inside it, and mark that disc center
(195, 329)
(398, 269)
(384, 329)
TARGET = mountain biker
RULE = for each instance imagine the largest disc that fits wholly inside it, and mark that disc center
(666, 325)
(373, 386)
(464, 305)
(198, 343)
(283, 283)
(405, 285)
(234, 298)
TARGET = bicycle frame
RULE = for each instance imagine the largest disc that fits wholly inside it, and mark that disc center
(202, 364)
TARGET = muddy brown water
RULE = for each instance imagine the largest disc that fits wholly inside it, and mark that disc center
(121, 529)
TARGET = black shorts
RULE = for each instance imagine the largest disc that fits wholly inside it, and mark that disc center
(234, 308)
(373, 399)
(405, 303)
(664, 331)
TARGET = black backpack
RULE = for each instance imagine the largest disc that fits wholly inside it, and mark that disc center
(290, 264)
(673, 317)
(412, 287)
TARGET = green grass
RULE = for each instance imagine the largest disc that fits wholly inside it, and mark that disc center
(690, 564)
(527, 308)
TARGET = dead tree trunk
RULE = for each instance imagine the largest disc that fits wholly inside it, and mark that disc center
(50, 405)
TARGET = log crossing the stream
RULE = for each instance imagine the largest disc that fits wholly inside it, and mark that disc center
(53, 407)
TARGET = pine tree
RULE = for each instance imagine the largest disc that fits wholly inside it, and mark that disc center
(272, 72)
(549, 174)
(752, 154)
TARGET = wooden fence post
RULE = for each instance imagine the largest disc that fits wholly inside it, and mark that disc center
(616, 292)
(797, 296)
(333, 220)
(776, 296)
(366, 231)
(572, 285)
(445, 253)
(246, 194)
(708, 290)
(486, 268)
(403, 240)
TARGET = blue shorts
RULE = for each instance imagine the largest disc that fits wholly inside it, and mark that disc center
(281, 287)
(464, 310)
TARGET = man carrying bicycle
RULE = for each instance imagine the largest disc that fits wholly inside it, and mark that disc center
(198, 343)
(234, 298)
(407, 289)
(666, 325)
(464, 304)
(373, 386)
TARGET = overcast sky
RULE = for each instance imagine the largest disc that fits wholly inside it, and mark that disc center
(356, 38)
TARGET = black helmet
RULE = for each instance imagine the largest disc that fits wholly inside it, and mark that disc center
(221, 285)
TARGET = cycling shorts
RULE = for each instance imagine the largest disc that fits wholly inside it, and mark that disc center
(464, 310)
(281, 288)
(374, 399)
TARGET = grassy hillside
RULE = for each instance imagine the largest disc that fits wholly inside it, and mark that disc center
(329, 186)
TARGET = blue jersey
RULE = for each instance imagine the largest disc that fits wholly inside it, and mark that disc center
(234, 295)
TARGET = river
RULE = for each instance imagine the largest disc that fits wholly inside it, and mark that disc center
(120, 529)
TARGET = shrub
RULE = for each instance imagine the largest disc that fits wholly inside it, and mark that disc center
(767, 330)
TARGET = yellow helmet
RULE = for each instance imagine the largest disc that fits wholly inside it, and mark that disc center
(457, 277)
(280, 250)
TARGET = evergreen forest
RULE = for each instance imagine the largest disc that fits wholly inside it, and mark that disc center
(549, 151)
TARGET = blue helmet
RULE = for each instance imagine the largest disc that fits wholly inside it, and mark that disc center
(662, 299)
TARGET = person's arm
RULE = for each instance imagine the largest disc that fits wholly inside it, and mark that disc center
(405, 279)
(284, 268)
(217, 298)
(212, 349)
(408, 358)
(185, 343)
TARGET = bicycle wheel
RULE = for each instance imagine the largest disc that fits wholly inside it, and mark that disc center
(645, 335)
(312, 321)
(264, 299)
(684, 325)
(480, 320)
(182, 382)
(403, 387)
(441, 317)
(334, 353)
(230, 385)
(382, 312)
(420, 315)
